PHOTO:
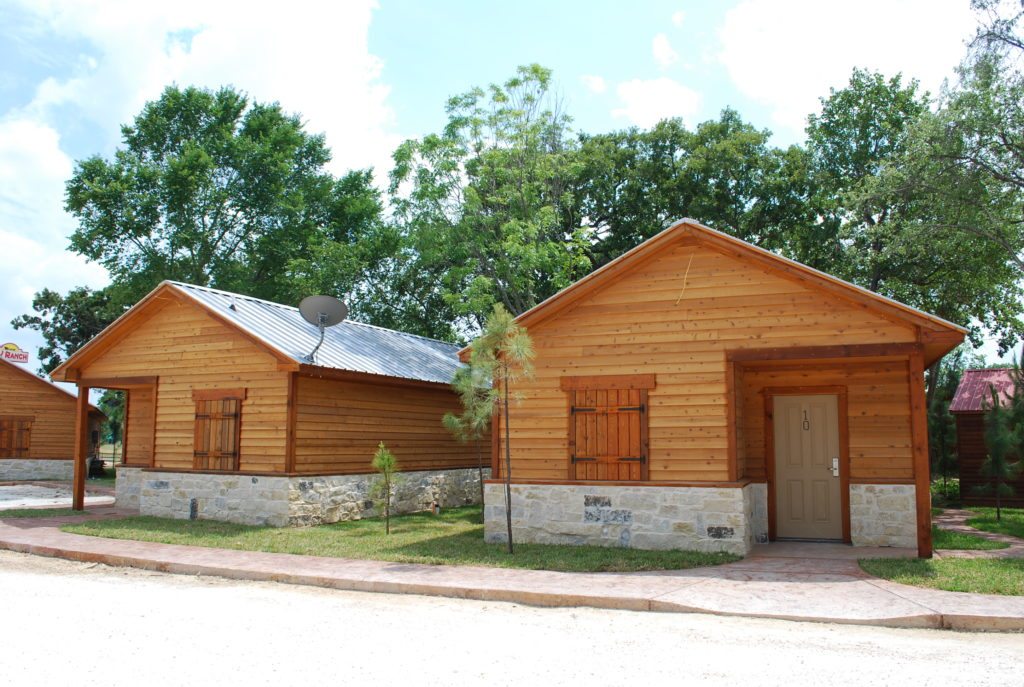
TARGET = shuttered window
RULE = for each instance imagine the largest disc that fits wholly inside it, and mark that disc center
(15, 437)
(218, 427)
(608, 428)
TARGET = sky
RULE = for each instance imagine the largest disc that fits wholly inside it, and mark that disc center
(371, 74)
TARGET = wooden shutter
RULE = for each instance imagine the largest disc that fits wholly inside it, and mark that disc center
(608, 434)
(217, 433)
(15, 437)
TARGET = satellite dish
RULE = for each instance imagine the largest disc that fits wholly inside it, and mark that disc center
(322, 312)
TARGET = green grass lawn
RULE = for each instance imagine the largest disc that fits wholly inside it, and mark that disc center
(1012, 521)
(980, 575)
(455, 537)
(39, 512)
(944, 539)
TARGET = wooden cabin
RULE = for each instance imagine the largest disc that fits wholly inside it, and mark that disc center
(972, 399)
(37, 427)
(228, 419)
(702, 393)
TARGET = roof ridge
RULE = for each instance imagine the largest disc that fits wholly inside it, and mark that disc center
(234, 294)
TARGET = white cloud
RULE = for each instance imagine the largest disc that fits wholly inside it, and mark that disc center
(788, 53)
(645, 103)
(33, 225)
(594, 84)
(313, 58)
(663, 52)
(678, 18)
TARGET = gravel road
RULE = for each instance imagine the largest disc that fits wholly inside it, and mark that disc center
(87, 624)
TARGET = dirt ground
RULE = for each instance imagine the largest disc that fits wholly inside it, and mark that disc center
(90, 624)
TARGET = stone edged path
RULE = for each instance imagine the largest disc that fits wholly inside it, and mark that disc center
(807, 582)
(955, 520)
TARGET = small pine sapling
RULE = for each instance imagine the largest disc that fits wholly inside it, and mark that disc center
(386, 464)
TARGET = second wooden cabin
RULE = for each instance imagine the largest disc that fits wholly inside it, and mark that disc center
(227, 418)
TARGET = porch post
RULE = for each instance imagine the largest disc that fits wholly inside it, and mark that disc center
(922, 470)
(81, 447)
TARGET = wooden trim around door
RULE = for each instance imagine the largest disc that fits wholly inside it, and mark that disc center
(844, 448)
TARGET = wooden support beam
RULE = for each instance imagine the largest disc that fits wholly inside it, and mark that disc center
(81, 447)
(922, 473)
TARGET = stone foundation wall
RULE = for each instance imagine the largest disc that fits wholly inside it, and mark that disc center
(883, 515)
(755, 505)
(693, 518)
(128, 487)
(12, 469)
(315, 500)
(283, 501)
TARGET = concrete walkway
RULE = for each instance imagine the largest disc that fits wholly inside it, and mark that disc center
(955, 520)
(809, 582)
(52, 494)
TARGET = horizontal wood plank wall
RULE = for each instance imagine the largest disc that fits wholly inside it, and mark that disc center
(52, 435)
(340, 424)
(138, 448)
(879, 416)
(650, 322)
(971, 453)
(189, 350)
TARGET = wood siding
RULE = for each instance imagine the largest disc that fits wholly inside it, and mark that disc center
(138, 445)
(650, 321)
(340, 424)
(52, 432)
(971, 452)
(189, 350)
(878, 414)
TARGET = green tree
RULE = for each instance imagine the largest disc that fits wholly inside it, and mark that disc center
(211, 189)
(385, 463)
(473, 387)
(503, 354)
(1003, 435)
(632, 184)
(112, 405)
(68, 322)
(483, 204)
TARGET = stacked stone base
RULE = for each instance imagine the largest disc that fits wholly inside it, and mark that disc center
(883, 515)
(15, 469)
(287, 501)
(688, 518)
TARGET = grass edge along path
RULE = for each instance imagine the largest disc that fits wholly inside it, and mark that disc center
(455, 537)
(951, 540)
(1003, 576)
(1012, 522)
(41, 513)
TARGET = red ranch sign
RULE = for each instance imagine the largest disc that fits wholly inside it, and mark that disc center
(12, 354)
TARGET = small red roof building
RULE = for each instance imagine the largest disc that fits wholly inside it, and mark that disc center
(974, 395)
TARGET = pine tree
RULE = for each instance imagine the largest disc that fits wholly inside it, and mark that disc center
(1002, 439)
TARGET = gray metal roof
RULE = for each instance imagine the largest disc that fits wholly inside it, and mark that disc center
(349, 346)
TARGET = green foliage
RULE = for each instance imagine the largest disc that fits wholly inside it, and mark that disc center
(112, 405)
(385, 463)
(946, 492)
(68, 322)
(483, 204)
(632, 184)
(502, 354)
(1004, 432)
(211, 189)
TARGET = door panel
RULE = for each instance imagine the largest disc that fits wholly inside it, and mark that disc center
(807, 494)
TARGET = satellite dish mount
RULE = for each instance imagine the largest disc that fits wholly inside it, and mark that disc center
(322, 312)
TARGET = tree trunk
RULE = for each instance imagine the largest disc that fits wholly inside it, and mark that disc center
(480, 474)
(387, 505)
(508, 469)
(932, 382)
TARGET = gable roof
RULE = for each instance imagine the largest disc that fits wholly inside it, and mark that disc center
(282, 332)
(50, 386)
(973, 395)
(689, 229)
